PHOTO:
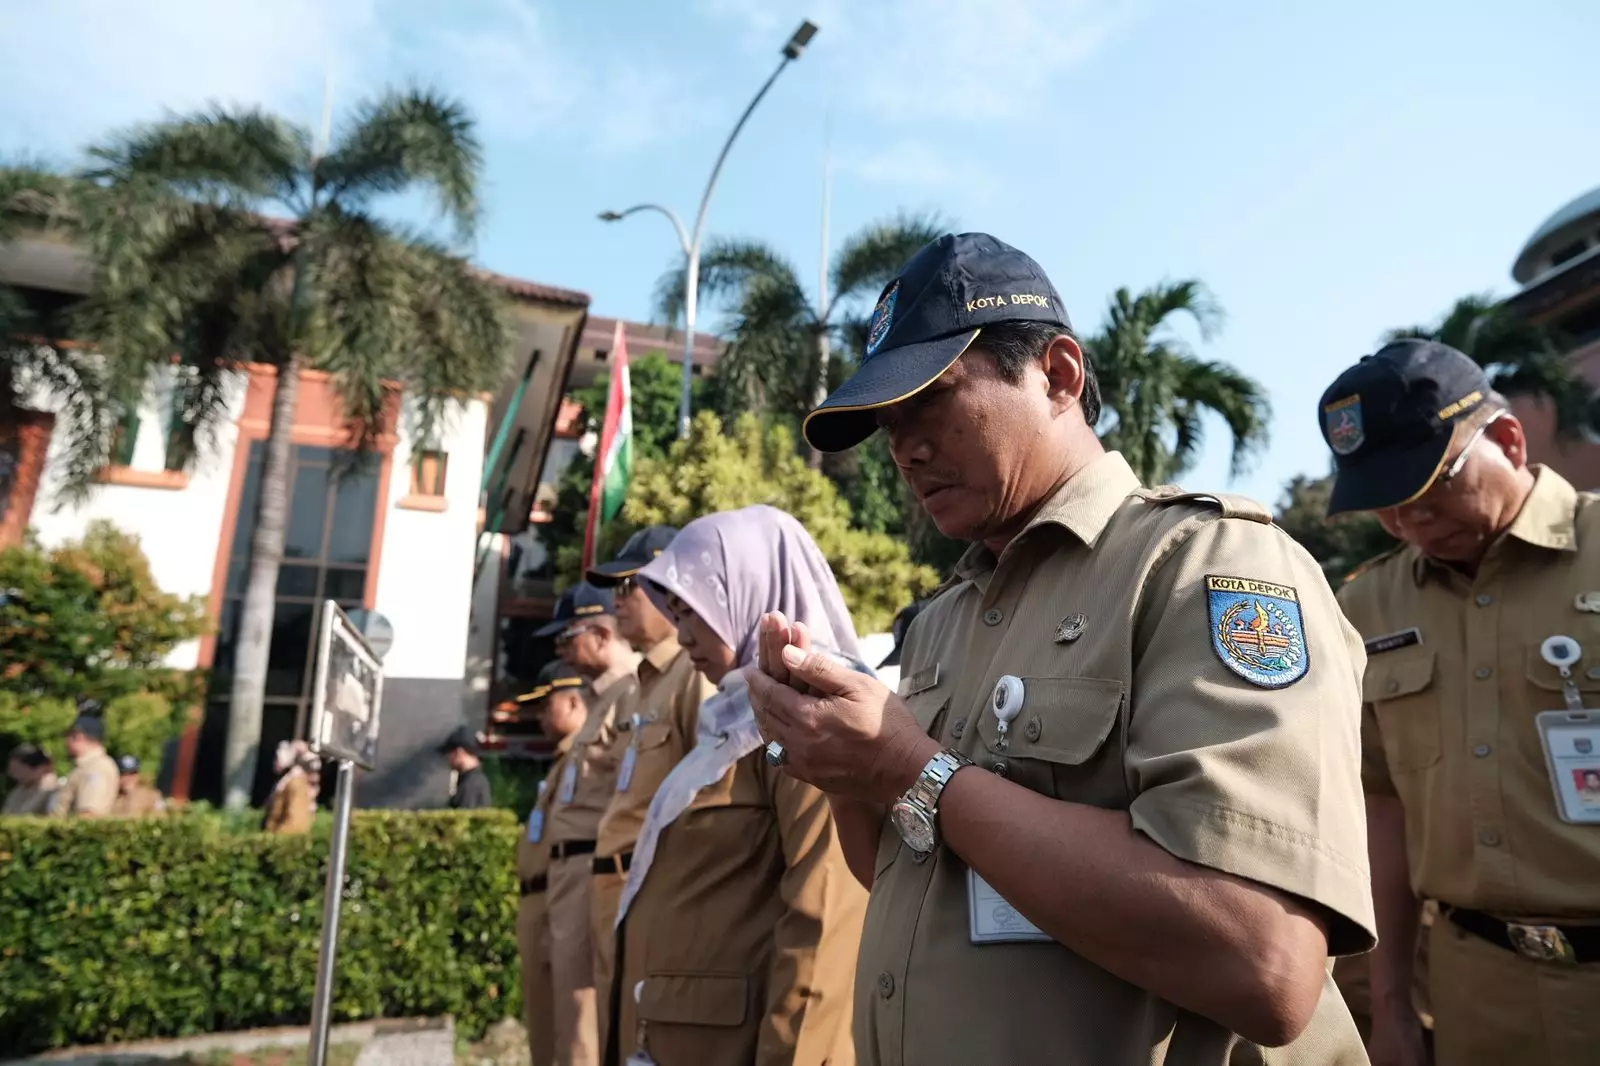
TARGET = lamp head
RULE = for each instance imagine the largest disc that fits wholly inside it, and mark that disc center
(802, 37)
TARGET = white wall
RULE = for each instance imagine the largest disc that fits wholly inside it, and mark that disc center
(178, 529)
(425, 573)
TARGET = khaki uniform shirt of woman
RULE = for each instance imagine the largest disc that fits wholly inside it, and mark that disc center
(292, 805)
(740, 921)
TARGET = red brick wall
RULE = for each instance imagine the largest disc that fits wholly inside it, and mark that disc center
(23, 447)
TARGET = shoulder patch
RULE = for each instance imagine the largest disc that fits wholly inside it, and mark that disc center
(1232, 506)
(1257, 630)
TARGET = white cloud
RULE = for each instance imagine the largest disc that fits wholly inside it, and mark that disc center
(914, 164)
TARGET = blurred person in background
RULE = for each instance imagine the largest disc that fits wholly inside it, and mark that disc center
(740, 920)
(91, 789)
(36, 781)
(292, 806)
(135, 799)
(465, 755)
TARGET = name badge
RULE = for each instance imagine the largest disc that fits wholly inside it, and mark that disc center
(1571, 741)
(536, 826)
(569, 783)
(630, 758)
(921, 681)
(994, 921)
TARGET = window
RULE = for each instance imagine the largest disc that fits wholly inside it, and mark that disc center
(428, 473)
(126, 434)
(600, 354)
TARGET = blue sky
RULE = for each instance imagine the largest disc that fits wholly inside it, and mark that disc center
(1329, 170)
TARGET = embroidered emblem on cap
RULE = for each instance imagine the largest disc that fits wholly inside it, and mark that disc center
(1343, 422)
(882, 318)
(1257, 630)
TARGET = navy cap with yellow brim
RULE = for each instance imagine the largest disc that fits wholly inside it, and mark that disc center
(925, 319)
(1390, 418)
(581, 601)
(635, 555)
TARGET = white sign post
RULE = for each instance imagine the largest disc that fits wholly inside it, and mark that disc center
(345, 700)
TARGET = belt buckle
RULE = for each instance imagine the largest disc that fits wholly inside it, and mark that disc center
(1541, 943)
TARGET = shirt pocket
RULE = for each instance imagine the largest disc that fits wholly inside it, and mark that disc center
(1548, 693)
(1400, 688)
(1057, 744)
(719, 999)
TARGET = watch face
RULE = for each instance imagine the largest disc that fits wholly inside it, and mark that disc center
(914, 826)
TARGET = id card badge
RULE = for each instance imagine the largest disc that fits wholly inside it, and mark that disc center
(625, 772)
(536, 826)
(640, 1058)
(1571, 741)
(994, 921)
(569, 783)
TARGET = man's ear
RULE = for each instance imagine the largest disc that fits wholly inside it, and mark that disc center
(1064, 373)
(1511, 438)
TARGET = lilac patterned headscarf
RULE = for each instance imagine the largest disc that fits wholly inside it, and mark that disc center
(731, 568)
(735, 566)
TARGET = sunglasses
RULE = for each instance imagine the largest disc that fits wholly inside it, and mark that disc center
(626, 586)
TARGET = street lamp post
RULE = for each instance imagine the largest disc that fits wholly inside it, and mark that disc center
(690, 240)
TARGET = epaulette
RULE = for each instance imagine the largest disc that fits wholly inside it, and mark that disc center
(1232, 506)
(1370, 563)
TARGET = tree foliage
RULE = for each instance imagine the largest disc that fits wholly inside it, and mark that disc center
(1157, 392)
(753, 463)
(1339, 544)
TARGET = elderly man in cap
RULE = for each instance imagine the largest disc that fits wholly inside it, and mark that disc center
(1113, 815)
(90, 790)
(465, 756)
(587, 640)
(555, 1024)
(646, 745)
(135, 798)
(1482, 700)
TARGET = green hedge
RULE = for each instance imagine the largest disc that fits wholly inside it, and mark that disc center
(120, 930)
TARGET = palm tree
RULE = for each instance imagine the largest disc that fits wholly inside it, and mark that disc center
(1157, 390)
(780, 342)
(1520, 358)
(225, 237)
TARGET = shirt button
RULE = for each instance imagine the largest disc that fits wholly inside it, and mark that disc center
(1001, 769)
(1482, 751)
(1392, 686)
(885, 985)
(959, 727)
(993, 616)
(1489, 837)
(1482, 673)
(1484, 599)
(1033, 729)
(1593, 673)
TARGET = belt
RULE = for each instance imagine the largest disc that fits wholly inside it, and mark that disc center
(613, 864)
(1542, 943)
(568, 848)
(532, 886)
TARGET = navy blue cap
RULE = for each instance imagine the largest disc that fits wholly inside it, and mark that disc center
(581, 601)
(463, 738)
(90, 726)
(128, 764)
(642, 547)
(1390, 418)
(925, 318)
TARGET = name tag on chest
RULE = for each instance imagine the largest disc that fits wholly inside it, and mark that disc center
(994, 921)
(569, 783)
(630, 758)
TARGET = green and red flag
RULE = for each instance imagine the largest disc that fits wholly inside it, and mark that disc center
(613, 459)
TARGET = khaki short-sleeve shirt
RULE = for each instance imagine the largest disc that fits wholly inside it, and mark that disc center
(1182, 660)
(1454, 683)
(591, 765)
(91, 788)
(659, 733)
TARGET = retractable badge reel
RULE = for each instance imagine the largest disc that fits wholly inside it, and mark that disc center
(1563, 653)
(1006, 704)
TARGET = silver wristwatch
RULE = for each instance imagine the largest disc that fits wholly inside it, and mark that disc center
(915, 812)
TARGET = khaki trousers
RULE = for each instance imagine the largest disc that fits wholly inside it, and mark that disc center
(1494, 1007)
(606, 894)
(538, 1002)
(577, 1034)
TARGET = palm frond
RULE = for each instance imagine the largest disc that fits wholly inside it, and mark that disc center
(242, 157)
(727, 266)
(403, 139)
(870, 258)
(35, 198)
(1237, 398)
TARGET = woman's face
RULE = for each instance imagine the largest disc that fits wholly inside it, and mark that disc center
(710, 656)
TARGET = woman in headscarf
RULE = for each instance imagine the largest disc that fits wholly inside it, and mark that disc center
(740, 922)
(292, 806)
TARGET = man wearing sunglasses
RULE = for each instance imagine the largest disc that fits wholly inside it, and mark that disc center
(1496, 557)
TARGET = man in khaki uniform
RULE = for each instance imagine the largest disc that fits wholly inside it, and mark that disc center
(35, 779)
(91, 789)
(135, 799)
(562, 709)
(587, 641)
(1463, 809)
(1123, 764)
(646, 746)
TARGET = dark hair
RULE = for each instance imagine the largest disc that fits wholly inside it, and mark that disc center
(30, 755)
(1013, 345)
